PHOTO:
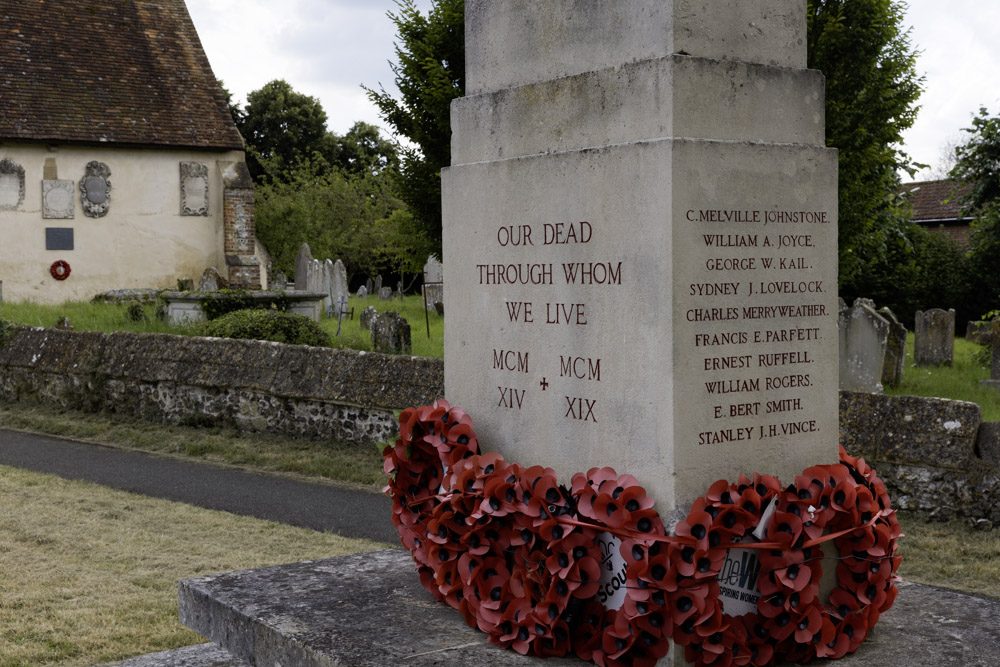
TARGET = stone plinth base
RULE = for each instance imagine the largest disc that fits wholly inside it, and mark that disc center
(370, 609)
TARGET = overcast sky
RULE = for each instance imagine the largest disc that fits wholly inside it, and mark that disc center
(328, 48)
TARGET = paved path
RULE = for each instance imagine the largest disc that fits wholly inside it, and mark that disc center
(327, 507)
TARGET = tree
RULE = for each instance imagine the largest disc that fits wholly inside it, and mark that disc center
(362, 150)
(282, 128)
(430, 73)
(977, 166)
(871, 91)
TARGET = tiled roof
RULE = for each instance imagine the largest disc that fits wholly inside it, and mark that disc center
(935, 200)
(108, 71)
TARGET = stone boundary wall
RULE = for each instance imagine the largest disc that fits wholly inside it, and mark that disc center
(254, 385)
(935, 455)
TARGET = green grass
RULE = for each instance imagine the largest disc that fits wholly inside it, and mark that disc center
(950, 555)
(89, 574)
(323, 459)
(86, 316)
(960, 381)
(107, 318)
(411, 308)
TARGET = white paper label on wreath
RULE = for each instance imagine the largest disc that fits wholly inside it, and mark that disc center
(738, 577)
(612, 591)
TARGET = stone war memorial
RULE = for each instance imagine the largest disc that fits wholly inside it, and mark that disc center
(642, 213)
(638, 461)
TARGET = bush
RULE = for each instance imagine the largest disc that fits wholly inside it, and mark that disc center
(270, 325)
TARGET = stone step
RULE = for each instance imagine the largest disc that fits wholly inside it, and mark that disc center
(370, 610)
(199, 655)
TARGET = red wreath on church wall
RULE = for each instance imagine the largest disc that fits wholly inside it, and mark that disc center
(516, 553)
(60, 269)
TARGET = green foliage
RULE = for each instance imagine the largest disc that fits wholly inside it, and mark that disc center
(977, 166)
(270, 325)
(6, 330)
(362, 151)
(226, 301)
(871, 90)
(357, 218)
(430, 73)
(282, 128)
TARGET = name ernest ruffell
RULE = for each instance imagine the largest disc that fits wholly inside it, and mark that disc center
(770, 256)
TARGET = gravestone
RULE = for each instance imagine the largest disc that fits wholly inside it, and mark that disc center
(399, 290)
(338, 283)
(934, 337)
(895, 350)
(362, 292)
(433, 288)
(211, 280)
(326, 287)
(378, 283)
(863, 338)
(367, 316)
(279, 282)
(370, 286)
(302, 261)
(641, 217)
(385, 294)
(390, 333)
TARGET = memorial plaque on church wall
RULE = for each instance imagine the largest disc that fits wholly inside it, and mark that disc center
(648, 282)
(95, 190)
(59, 238)
(58, 199)
(194, 188)
(11, 185)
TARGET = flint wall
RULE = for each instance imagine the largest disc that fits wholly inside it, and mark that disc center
(254, 385)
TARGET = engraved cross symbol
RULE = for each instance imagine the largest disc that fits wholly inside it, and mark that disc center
(544, 384)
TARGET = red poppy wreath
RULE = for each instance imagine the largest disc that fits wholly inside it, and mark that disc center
(60, 269)
(521, 557)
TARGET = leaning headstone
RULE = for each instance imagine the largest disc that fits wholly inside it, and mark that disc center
(326, 287)
(367, 316)
(934, 337)
(863, 337)
(339, 291)
(599, 178)
(390, 333)
(211, 280)
(370, 286)
(895, 350)
(378, 283)
(385, 294)
(314, 277)
(303, 260)
(362, 293)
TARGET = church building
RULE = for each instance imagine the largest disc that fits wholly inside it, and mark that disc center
(120, 164)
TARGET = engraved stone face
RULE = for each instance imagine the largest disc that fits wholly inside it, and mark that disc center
(57, 199)
(95, 190)
(194, 188)
(11, 185)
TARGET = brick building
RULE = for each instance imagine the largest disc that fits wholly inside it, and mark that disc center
(937, 208)
(120, 164)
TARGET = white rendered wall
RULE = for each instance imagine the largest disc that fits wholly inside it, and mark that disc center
(142, 241)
